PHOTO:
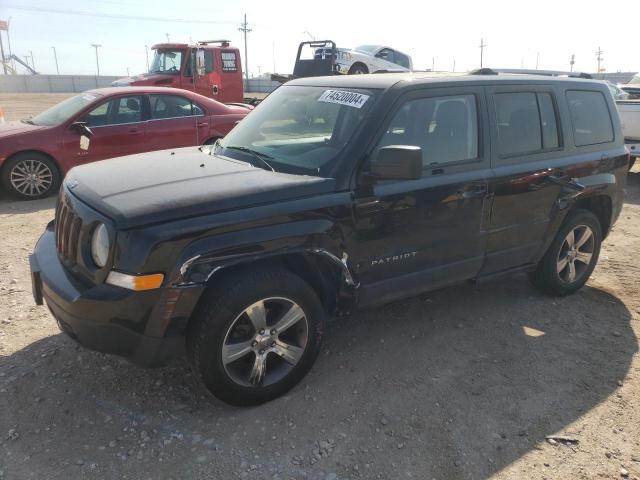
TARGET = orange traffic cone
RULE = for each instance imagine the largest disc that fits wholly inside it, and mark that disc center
(1, 115)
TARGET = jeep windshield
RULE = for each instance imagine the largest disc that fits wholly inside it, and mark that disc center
(166, 61)
(299, 129)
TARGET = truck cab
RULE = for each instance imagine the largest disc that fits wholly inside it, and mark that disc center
(211, 68)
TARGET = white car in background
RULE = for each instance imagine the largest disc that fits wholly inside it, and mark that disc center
(367, 59)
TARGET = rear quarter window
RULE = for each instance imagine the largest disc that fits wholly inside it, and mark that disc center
(590, 117)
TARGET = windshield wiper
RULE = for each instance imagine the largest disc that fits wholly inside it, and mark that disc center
(254, 153)
(27, 120)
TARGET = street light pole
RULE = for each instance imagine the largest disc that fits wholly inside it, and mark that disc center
(96, 46)
(55, 57)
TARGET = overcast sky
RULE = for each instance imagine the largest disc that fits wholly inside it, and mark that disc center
(515, 32)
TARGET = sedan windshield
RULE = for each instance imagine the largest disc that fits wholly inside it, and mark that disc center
(64, 110)
(299, 129)
(166, 61)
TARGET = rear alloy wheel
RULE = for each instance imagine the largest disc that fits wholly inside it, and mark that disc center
(30, 176)
(572, 256)
(255, 335)
(576, 253)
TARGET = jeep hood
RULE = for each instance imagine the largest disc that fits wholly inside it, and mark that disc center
(167, 185)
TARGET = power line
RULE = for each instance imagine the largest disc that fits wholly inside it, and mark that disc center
(113, 15)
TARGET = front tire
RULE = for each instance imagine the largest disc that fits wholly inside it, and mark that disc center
(29, 176)
(255, 337)
(572, 256)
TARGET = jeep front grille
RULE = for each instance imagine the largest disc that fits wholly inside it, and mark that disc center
(68, 226)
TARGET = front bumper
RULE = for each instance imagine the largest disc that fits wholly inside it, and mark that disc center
(102, 317)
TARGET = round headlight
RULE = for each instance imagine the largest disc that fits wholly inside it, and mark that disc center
(100, 245)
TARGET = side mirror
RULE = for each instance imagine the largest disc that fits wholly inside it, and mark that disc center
(82, 128)
(200, 63)
(397, 162)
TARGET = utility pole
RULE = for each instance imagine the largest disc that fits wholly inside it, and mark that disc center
(55, 57)
(146, 52)
(433, 64)
(537, 59)
(33, 63)
(168, 41)
(128, 72)
(96, 46)
(599, 58)
(482, 47)
(572, 62)
(4, 65)
(454, 65)
(244, 27)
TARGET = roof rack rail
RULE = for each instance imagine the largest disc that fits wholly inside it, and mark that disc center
(523, 71)
(224, 43)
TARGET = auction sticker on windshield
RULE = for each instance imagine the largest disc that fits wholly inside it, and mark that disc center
(351, 99)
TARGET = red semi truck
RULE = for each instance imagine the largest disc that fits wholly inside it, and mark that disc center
(211, 68)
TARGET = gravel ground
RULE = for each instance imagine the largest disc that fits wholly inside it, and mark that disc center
(463, 383)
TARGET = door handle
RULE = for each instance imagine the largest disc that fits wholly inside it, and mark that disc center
(567, 182)
(476, 190)
(202, 124)
(135, 131)
(368, 205)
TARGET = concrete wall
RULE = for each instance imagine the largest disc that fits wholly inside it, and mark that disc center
(52, 83)
(80, 83)
(260, 85)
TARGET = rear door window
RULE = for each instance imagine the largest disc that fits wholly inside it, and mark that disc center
(590, 117)
(170, 106)
(527, 123)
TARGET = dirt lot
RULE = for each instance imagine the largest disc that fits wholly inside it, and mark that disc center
(461, 383)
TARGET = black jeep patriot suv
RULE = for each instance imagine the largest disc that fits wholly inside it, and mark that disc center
(335, 192)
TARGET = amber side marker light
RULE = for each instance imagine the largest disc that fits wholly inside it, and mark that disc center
(135, 282)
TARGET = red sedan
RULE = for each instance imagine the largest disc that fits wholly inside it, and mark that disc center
(35, 154)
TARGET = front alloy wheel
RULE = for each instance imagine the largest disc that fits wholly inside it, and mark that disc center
(30, 175)
(255, 335)
(265, 342)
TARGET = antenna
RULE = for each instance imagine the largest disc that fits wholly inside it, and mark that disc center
(481, 47)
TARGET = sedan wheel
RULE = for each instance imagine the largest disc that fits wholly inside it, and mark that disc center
(30, 175)
(31, 178)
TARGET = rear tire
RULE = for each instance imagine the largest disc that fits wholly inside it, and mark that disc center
(30, 176)
(255, 337)
(572, 256)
